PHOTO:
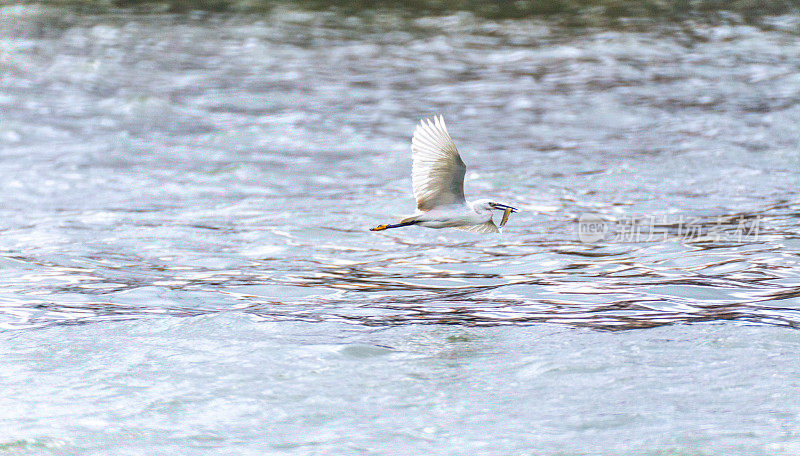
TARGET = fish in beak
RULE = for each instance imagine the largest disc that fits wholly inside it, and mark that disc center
(507, 211)
(503, 207)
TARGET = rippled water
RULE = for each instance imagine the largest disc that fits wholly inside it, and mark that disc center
(195, 191)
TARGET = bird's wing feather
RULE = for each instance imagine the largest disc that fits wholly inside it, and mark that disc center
(438, 171)
(488, 227)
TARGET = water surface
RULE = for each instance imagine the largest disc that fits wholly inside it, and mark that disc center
(186, 266)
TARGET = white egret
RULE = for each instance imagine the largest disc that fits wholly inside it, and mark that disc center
(437, 176)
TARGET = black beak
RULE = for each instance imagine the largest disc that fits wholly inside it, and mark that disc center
(503, 207)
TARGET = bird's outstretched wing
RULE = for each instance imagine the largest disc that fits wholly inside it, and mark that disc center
(438, 171)
(488, 227)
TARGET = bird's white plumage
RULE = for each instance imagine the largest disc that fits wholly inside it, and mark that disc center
(488, 227)
(437, 174)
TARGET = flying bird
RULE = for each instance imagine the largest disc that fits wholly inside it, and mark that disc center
(437, 176)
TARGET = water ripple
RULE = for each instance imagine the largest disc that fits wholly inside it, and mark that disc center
(169, 166)
(607, 287)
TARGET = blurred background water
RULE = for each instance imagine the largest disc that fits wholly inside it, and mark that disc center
(186, 268)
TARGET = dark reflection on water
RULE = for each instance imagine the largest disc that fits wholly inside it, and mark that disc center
(600, 286)
(174, 166)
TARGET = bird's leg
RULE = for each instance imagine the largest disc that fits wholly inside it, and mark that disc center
(396, 225)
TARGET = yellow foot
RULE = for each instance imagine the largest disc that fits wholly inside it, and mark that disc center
(379, 228)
